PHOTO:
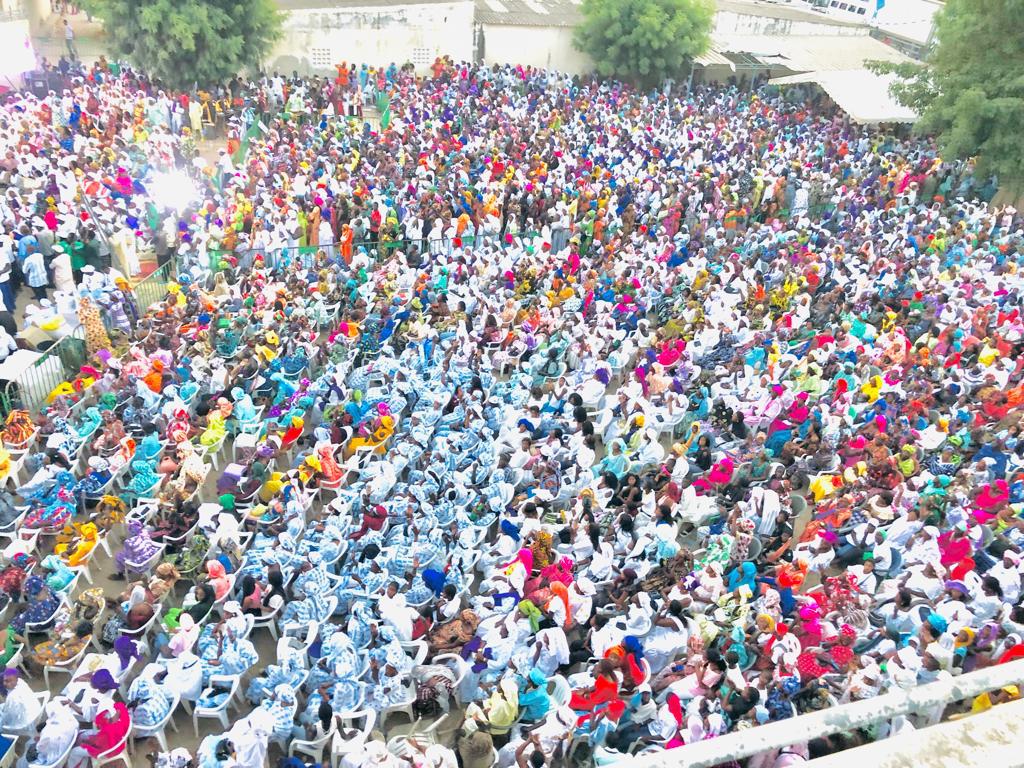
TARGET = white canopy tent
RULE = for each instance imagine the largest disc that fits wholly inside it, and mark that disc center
(861, 93)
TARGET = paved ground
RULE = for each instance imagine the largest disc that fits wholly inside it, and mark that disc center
(90, 39)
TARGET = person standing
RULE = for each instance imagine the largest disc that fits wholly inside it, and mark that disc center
(35, 273)
(69, 41)
(6, 267)
(63, 279)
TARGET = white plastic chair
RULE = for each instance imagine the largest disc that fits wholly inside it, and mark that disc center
(313, 747)
(145, 566)
(67, 667)
(117, 753)
(559, 691)
(43, 697)
(44, 625)
(341, 746)
(291, 638)
(460, 667)
(141, 632)
(416, 649)
(158, 729)
(60, 760)
(220, 712)
(268, 622)
(405, 705)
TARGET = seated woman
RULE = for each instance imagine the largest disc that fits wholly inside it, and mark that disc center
(217, 578)
(138, 547)
(75, 546)
(111, 725)
(173, 520)
(373, 434)
(60, 728)
(216, 425)
(133, 613)
(63, 648)
(40, 607)
(60, 575)
(148, 699)
(110, 434)
(453, 634)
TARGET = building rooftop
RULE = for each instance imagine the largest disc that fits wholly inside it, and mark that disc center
(773, 9)
(566, 13)
(326, 5)
(529, 13)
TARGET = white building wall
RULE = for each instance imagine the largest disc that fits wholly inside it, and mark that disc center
(731, 23)
(545, 47)
(19, 56)
(314, 40)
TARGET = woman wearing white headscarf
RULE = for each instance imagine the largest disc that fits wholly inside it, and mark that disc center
(551, 650)
(58, 733)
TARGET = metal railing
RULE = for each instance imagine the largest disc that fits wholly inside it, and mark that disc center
(276, 257)
(60, 363)
(153, 287)
(840, 719)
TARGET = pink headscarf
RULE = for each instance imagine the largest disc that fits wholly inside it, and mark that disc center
(524, 556)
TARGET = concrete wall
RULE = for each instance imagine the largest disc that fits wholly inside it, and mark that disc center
(546, 47)
(36, 10)
(19, 56)
(315, 40)
(552, 48)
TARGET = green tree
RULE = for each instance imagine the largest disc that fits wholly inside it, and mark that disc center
(970, 91)
(645, 41)
(187, 41)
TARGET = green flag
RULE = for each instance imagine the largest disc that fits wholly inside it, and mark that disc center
(384, 107)
(243, 147)
(152, 217)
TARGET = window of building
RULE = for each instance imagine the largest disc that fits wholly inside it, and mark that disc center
(321, 58)
(861, 11)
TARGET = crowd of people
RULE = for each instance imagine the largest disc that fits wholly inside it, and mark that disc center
(564, 420)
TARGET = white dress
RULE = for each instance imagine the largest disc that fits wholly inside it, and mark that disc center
(19, 708)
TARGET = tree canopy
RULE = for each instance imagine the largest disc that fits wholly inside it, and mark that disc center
(187, 41)
(970, 91)
(645, 41)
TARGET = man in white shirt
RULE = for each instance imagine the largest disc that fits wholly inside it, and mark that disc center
(35, 273)
(7, 344)
(6, 265)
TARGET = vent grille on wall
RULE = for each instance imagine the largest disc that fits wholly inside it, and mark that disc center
(321, 58)
(421, 57)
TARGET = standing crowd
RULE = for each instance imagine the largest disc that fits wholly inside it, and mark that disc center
(554, 422)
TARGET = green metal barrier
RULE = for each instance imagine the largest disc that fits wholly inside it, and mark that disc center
(153, 287)
(60, 363)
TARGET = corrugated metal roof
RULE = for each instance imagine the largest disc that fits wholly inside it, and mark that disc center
(712, 58)
(326, 5)
(775, 10)
(862, 94)
(529, 13)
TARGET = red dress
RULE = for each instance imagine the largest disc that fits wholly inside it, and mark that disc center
(604, 690)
